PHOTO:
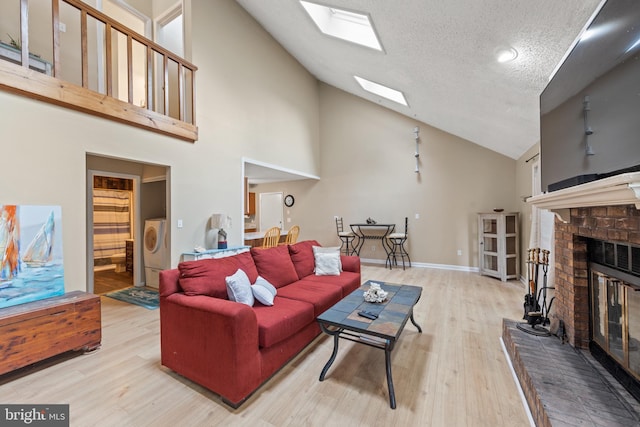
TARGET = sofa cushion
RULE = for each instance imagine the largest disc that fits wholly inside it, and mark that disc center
(321, 295)
(245, 262)
(302, 257)
(347, 281)
(275, 265)
(207, 276)
(239, 288)
(285, 318)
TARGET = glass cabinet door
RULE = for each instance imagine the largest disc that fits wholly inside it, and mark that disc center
(498, 245)
(489, 242)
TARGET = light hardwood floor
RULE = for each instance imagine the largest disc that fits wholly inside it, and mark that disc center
(453, 374)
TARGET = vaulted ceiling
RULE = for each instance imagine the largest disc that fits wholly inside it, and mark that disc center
(442, 55)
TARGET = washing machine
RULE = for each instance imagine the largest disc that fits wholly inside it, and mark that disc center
(155, 250)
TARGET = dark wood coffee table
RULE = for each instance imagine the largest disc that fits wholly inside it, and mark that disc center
(342, 321)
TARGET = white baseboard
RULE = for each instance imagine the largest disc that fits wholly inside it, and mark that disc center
(427, 265)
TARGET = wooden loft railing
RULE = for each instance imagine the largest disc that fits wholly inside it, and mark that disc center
(108, 77)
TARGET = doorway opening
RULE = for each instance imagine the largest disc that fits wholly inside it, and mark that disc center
(116, 217)
(254, 173)
(113, 232)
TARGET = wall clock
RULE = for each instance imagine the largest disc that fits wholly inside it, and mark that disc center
(289, 200)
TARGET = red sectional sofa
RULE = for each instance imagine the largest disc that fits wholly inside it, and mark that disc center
(232, 348)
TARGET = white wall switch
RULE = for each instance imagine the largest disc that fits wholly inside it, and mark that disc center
(179, 223)
(417, 216)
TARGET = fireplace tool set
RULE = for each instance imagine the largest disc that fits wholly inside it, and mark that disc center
(536, 310)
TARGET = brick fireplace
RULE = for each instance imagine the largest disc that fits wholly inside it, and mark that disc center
(620, 223)
(606, 209)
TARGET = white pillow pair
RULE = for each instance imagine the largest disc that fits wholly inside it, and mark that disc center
(327, 261)
(240, 289)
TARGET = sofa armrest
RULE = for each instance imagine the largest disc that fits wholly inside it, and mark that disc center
(211, 341)
(350, 263)
(169, 282)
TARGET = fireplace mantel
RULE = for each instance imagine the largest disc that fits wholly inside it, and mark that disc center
(623, 189)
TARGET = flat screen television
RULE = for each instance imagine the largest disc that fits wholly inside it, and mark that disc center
(590, 110)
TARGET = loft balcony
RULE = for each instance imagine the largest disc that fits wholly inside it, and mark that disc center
(67, 53)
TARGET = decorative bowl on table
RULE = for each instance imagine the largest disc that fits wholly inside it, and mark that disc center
(375, 293)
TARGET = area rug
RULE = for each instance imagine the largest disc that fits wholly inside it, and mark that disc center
(145, 297)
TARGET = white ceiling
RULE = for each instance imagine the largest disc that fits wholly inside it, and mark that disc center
(441, 54)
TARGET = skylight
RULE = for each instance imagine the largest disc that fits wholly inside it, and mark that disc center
(385, 92)
(350, 26)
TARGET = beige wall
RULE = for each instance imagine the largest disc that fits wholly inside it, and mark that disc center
(253, 98)
(368, 171)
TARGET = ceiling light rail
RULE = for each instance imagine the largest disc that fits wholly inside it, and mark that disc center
(416, 134)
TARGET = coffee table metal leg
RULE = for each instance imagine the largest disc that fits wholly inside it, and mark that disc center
(392, 393)
(336, 338)
(414, 322)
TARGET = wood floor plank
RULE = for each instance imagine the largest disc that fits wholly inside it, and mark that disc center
(452, 374)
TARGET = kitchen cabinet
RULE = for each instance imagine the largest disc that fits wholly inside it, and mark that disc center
(249, 199)
(252, 204)
(498, 251)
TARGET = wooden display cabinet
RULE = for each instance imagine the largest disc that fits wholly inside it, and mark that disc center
(498, 251)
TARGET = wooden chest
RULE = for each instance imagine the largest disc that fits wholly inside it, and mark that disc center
(38, 330)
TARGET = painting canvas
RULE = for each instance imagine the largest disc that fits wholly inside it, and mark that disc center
(31, 263)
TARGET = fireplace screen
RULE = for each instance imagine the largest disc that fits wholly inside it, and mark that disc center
(615, 318)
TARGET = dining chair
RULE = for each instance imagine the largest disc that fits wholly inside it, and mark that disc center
(271, 237)
(292, 235)
(396, 243)
(346, 237)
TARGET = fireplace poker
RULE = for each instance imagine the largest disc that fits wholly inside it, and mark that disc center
(543, 290)
(530, 304)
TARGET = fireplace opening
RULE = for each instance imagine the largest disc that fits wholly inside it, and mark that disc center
(614, 310)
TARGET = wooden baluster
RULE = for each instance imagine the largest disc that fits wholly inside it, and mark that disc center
(129, 69)
(109, 64)
(24, 33)
(181, 111)
(165, 83)
(150, 84)
(85, 49)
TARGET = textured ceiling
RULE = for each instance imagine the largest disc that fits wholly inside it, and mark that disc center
(441, 54)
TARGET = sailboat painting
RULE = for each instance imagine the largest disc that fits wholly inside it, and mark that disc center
(31, 262)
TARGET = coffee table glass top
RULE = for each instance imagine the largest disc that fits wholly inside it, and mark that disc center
(393, 312)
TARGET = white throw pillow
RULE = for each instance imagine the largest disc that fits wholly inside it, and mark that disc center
(327, 261)
(239, 288)
(261, 281)
(262, 294)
